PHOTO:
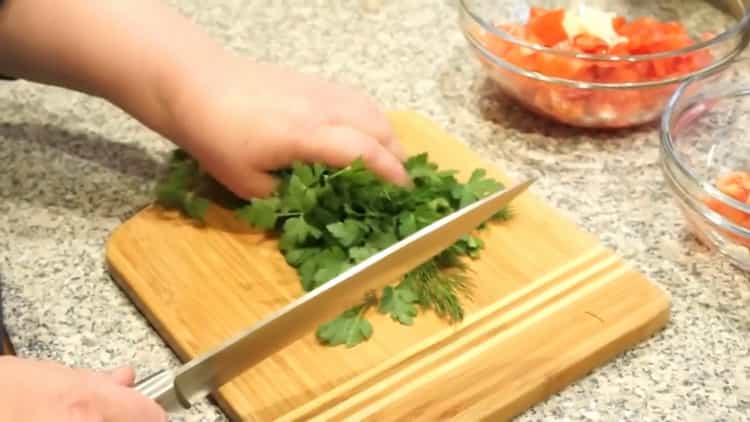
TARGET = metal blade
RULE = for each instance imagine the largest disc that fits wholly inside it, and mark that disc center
(202, 375)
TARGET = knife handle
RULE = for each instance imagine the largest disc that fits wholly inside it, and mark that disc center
(161, 388)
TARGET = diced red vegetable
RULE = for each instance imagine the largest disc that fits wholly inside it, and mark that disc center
(737, 186)
(590, 44)
(547, 26)
(644, 35)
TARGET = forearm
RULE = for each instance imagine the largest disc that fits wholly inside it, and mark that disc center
(138, 54)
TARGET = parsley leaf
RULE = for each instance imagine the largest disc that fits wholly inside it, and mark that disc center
(349, 232)
(261, 213)
(360, 253)
(476, 188)
(350, 328)
(399, 303)
(296, 232)
(320, 266)
(181, 188)
(196, 206)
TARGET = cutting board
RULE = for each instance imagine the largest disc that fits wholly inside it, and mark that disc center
(551, 304)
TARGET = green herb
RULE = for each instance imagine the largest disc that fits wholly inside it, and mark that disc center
(329, 219)
(180, 187)
(350, 328)
(400, 303)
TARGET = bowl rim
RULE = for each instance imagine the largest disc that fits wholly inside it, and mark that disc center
(742, 24)
(667, 147)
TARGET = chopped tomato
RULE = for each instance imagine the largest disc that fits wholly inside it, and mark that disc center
(535, 11)
(617, 23)
(590, 44)
(737, 186)
(547, 26)
(644, 35)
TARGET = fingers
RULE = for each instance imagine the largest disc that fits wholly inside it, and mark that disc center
(119, 376)
(361, 113)
(122, 376)
(241, 177)
(118, 403)
(338, 146)
(114, 400)
(396, 148)
(254, 185)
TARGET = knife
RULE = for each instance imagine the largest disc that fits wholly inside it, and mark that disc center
(178, 389)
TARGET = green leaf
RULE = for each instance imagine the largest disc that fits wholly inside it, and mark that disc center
(473, 246)
(383, 239)
(171, 192)
(399, 303)
(440, 205)
(350, 328)
(328, 273)
(504, 214)
(296, 231)
(356, 174)
(196, 207)
(298, 197)
(425, 215)
(419, 167)
(318, 268)
(348, 232)
(360, 253)
(407, 224)
(304, 173)
(177, 188)
(296, 257)
(306, 271)
(261, 213)
(477, 187)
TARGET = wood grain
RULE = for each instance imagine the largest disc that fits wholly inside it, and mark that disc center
(551, 304)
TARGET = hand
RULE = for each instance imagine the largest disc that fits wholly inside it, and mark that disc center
(241, 120)
(238, 118)
(44, 391)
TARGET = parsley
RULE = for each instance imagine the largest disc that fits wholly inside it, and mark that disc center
(399, 302)
(328, 219)
(180, 188)
(350, 329)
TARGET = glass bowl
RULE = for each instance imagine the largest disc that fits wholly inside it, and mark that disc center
(624, 82)
(705, 158)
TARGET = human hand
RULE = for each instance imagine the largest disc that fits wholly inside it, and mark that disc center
(242, 120)
(44, 391)
(238, 118)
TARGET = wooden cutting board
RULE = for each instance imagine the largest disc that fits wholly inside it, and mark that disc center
(551, 305)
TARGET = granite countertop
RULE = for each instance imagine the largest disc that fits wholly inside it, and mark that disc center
(74, 167)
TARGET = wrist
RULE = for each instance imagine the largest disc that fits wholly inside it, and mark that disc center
(166, 95)
(193, 89)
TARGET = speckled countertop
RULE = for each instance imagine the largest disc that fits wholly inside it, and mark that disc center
(74, 167)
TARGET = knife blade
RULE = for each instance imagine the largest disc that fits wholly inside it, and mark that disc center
(178, 389)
